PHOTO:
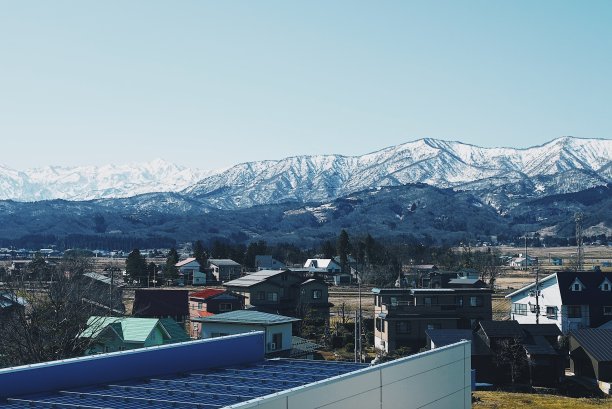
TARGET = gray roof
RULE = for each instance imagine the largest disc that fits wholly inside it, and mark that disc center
(222, 262)
(596, 342)
(253, 278)
(248, 317)
(8, 299)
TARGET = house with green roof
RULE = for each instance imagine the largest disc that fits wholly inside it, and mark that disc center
(278, 328)
(110, 334)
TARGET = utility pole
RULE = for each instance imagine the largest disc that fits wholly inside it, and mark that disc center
(579, 217)
(359, 289)
(537, 294)
(356, 347)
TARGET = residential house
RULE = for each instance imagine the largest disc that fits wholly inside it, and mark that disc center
(224, 269)
(283, 292)
(523, 261)
(569, 299)
(266, 262)
(278, 328)
(208, 302)
(543, 362)
(11, 303)
(328, 268)
(110, 334)
(591, 355)
(402, 315)
(104, 292)
(326, 265)
(161, 303)
(481, 355)
(189, 272)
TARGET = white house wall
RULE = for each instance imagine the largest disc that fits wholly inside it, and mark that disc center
(208, 328)
(549, 296)
(436, 379)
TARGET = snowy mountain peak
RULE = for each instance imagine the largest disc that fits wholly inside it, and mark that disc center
(95, 182)
(586, 162)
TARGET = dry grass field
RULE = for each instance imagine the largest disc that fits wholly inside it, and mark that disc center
(507, 400)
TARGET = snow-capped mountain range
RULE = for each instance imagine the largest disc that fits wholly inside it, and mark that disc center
(96, 182)
(563, 165)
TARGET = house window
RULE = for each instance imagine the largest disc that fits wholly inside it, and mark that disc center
(277, 341)
(199, 306)
(394, 301)
(574, 311)
(272, 296)
(459, 301)
(225, 306)
(533, 308)
(261, 295)
(380, 325)
(607, 310)
(434, 326)
(576, 287)
(429, 301)
(317, 294)
(476, 301)
(403, 327)
(551, 312)
(605, 286)
(519, 309)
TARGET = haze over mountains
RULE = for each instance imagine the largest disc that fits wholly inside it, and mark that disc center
(426, 189)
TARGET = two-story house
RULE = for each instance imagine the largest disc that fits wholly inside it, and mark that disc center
(189, 271)
(282, 292)
(569, 299)
(402, 315)
(224, 269)
(209, 302)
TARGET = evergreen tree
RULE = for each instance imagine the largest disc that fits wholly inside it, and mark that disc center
(327, 249)
(200, 254)
(136, 266)
(170, 269)
(343, 248)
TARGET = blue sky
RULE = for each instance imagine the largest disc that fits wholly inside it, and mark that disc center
(210, 84)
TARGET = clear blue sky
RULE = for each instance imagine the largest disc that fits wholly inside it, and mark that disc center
(210, 84)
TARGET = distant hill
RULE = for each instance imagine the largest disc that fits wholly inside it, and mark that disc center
(417, 211)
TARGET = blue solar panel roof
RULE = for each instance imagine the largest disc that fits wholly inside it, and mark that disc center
(211, 388)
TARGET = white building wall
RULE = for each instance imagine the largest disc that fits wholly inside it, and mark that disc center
(208, 328)
(436, 379)
(549, 296)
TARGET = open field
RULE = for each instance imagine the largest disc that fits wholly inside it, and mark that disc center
(507, 400)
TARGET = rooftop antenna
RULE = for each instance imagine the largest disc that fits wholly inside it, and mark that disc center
(579, 217)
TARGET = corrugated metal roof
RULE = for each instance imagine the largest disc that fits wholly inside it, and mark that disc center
(253, 278)
(130, 329)
(248, 317)
(596, 342)
(222, 262)
(184, 262)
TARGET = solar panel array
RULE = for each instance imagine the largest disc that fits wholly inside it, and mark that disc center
(207, 389)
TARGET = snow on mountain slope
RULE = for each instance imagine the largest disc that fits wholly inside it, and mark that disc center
(435, 162)
(562, 165)
(94, 182)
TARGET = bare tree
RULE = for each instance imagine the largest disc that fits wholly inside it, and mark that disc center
(51, 316)
(510, 354)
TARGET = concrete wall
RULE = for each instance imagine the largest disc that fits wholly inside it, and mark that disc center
(120, 366)
(437, 379)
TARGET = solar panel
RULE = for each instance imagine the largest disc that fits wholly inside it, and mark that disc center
(206, 389)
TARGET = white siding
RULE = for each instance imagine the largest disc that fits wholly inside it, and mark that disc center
(209, 328)
(436, 379)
